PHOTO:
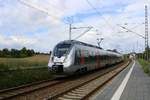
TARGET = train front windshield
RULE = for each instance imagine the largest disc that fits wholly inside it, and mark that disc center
(61, 49)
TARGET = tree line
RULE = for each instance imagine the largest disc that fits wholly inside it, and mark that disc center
(24, 52)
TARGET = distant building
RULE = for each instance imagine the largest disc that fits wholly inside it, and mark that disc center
(132, 55)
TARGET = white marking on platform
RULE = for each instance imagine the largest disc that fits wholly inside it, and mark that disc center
(119, 91)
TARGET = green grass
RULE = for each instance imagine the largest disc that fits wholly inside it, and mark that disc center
(145, 66)
(10, 79)
(19, 71)
(37, 61)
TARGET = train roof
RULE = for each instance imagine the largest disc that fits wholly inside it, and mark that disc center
(85, 44)
(78, 42)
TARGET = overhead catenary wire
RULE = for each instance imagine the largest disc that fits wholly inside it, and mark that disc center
(98, 13)
(88, 29)
(56, 7)
(129, 30)
(44, 10)
(39, 9)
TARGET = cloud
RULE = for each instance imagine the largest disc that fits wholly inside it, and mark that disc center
(16, 40)
(21, 25)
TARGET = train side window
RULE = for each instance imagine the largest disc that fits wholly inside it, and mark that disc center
(104, 57)
(101, 57)
(85, 56)
(87, 53)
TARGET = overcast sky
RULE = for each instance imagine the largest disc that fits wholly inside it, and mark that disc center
(41, 24)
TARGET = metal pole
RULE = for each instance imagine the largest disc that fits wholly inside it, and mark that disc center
(69, 31)
(99, 41)
(146, 33)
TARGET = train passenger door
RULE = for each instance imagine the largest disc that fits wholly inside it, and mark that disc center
(77, 56)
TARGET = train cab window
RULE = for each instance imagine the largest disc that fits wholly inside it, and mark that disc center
(61, 49)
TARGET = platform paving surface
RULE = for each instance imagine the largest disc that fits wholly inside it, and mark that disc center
(137, 87)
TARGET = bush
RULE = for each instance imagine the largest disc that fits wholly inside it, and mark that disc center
(145, 65)
(14, 53)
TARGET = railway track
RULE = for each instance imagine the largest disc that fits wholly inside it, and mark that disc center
(84, 90)
(21, 90)
(74, 88)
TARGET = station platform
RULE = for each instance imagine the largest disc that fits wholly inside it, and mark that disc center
(131, 84)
